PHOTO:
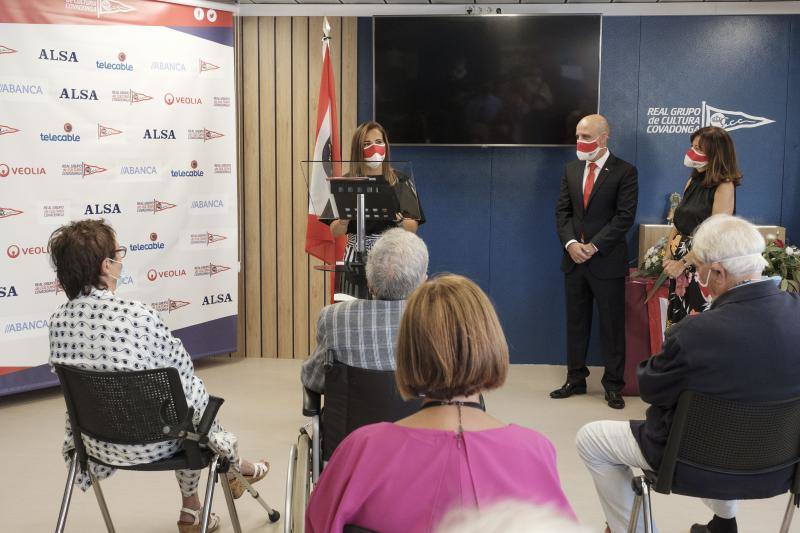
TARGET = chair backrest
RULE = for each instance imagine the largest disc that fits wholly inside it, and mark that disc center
(122, 407)
(732, 438)
(355, 397)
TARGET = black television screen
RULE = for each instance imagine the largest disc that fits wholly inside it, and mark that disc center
(485, 79)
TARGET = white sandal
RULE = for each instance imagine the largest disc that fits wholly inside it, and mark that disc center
(238, 488)
(194, 527)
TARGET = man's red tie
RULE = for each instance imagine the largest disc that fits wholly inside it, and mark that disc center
(587, 187)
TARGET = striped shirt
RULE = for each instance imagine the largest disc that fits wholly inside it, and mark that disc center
(361, 332)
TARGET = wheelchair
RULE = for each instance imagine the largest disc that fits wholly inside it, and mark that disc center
(354, 397)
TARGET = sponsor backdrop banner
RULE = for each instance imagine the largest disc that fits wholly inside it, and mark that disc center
(122, 110)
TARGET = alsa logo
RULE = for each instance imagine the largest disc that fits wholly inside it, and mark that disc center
(209, 270)
(159, 134)
(130, 96)
(153, 206)
(102, 209)
(170, 99)
(154, 274)
(58, 55)
(6, 50)
(129, 170)
(10, 170)
(78, 94)
(81, 169)
(168, 305)
(204, 134)
(5, 130)
(7, 291)
(6, 212)
(205, 66)
(206, 238)
(106, 131)
(208, 204)
(98, 7)
(212, 299)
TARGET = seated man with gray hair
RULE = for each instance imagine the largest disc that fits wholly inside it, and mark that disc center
(744, 348)
(363, 332)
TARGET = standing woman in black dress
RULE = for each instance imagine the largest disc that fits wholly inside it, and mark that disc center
(709, 191)
(369, 156)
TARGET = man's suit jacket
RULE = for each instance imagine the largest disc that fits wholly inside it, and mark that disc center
(745, 348)
(606, 220)
(361, 332)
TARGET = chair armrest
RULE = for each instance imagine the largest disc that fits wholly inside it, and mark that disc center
(210, 414)
(312, 402)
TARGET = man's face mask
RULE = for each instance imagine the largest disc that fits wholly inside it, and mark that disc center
(588, 150)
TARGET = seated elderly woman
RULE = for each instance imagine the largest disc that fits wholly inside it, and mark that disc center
(397, 264)
(88, 263)
(403, 477)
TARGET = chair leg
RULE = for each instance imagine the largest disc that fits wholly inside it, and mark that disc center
(62, 514)
(647, 506)
(101, 501)
(637, 504)
(226, 489)
(787, 517)
(212, 477)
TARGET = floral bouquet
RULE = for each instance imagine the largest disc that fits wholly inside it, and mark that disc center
(651, 267)
(783, 261)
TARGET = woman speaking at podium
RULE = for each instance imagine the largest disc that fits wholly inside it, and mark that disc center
(369, 156)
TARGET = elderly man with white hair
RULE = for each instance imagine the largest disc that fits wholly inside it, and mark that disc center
(743, 348)
(363, 332)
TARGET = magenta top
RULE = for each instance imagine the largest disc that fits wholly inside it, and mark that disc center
(391, 478)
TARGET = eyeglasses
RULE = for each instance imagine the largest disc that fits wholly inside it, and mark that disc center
(122, 250)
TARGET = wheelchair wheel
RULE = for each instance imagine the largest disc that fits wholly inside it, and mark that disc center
(301, 486)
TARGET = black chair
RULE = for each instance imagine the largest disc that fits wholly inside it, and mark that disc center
(726, 450)
(354, 397)
(142, 407)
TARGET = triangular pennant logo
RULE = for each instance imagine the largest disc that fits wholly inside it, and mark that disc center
(105, 131)
(8, 212)
(139, 97)
(215, 238)
(205, 66)
(216, 269)
(7, 50)
(161, 206)
(176, 304)
(88, 169)
(7, 129)
(731, 120)
(109, 7)
(208, 135)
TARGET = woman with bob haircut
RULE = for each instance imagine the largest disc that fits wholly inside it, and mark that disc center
(124, 336)
(405, 476)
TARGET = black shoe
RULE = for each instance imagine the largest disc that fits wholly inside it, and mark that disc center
(614, 399)
(717, 525)
(568, 389)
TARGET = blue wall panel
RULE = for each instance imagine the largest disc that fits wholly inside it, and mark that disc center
(491, 210)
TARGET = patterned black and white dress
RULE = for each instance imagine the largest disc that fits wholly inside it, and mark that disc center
(102, 332)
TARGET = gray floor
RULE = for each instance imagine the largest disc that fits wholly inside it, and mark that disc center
(263, 407)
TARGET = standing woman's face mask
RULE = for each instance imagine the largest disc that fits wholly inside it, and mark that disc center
(695, 157)
(374, 149)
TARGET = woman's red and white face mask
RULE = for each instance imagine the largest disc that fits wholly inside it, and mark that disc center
(695, 159)
(374, 154)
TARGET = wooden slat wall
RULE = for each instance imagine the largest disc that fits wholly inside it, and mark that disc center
(280, 65)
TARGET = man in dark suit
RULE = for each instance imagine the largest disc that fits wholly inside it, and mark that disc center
(743, 348)
(595, 210)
